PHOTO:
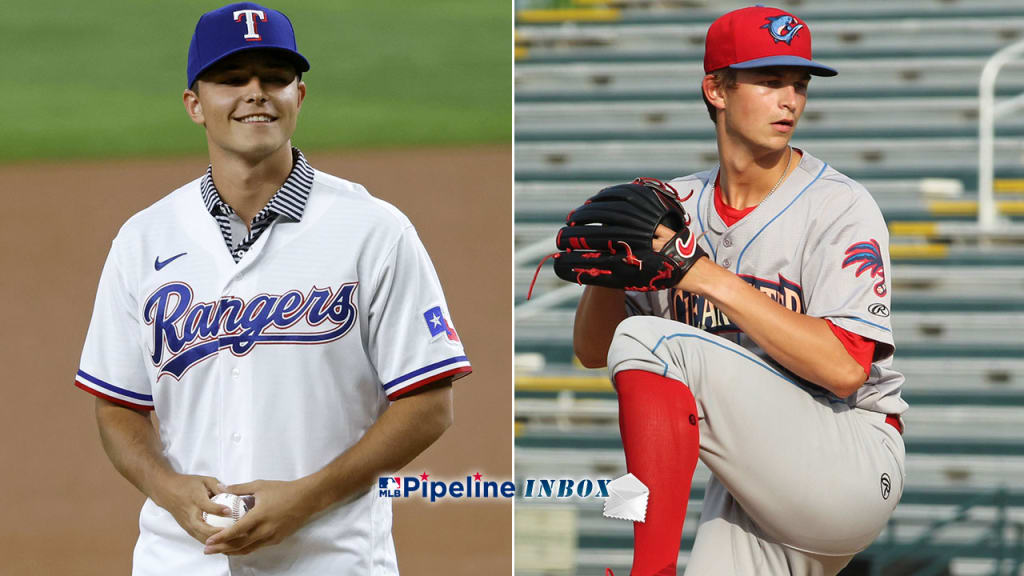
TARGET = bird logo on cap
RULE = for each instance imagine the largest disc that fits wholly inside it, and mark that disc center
(782, 28)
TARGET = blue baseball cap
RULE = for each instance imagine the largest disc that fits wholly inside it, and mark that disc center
(237, 27)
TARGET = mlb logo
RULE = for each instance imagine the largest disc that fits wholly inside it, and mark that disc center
(437, 324)
(389, 487)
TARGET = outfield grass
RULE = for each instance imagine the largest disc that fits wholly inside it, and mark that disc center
(104, 78)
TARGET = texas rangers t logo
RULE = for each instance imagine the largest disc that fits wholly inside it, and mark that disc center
(191, 333)
(251, 35)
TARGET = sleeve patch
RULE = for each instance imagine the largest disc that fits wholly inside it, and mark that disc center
(868, 258)
(437, 324)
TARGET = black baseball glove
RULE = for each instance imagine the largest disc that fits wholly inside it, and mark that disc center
(608, 240)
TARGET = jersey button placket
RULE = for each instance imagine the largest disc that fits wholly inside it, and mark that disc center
(237, 443)
(726, 243)
(236, 438)
(236, 375)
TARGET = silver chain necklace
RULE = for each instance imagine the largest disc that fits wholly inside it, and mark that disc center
(789, 160)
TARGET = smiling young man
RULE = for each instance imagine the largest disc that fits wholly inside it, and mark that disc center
(287, 328)
(771, 359)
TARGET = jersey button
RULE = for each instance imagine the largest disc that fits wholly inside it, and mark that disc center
(726, 263)
(235, 372)
(236, 437)
(727, 242)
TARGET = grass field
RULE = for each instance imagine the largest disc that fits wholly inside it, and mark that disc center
(104, 78)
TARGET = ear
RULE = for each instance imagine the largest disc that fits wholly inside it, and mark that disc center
(714, 93)
(194, 107)
(302, 94)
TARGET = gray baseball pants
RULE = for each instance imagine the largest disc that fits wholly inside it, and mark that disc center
(801, 482)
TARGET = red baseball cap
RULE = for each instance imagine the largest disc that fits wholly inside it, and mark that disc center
(757, 37)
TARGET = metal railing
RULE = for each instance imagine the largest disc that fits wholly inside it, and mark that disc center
(1003, 542)
(988, 112)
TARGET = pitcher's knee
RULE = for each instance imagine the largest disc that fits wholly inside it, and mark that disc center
(647, 329)
(632, 332)
(633, 343)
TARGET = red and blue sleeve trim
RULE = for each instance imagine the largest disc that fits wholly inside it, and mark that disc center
(454, 374)
(97, 387)
(459, 365)
(424, 370)
(125, 403)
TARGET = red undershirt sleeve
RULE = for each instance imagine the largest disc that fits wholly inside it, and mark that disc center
(858, 347)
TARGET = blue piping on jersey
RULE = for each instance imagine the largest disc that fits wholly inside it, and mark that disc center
(700, 197)
(831, 398)
(774, 218)
(424, 370)
(714, 253)
(879, 326)
(112, 388)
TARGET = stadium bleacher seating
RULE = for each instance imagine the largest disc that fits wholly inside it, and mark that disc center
(607, 90)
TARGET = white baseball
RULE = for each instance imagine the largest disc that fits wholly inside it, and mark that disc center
(237, 504)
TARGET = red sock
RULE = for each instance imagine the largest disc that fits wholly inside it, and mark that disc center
(658, 423)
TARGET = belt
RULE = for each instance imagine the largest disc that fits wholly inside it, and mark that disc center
(894, 421)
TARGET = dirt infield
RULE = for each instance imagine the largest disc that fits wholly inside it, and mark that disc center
(66, 511)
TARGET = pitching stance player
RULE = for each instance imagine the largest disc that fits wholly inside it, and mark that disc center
(753, 332)
(287, 328)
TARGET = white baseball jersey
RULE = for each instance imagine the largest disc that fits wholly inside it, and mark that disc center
(818, 245)
(271, 367)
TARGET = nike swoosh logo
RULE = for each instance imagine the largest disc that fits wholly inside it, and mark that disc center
(686, 250)
(159, 265)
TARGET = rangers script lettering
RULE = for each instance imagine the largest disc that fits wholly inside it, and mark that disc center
(240, 324)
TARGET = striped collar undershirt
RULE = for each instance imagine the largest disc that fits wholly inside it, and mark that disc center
(289, 201)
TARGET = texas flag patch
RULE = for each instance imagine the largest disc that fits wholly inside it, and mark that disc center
(438, 324)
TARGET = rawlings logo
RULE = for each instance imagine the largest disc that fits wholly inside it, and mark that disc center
(879, 309)
(782, 28)
(191, 333)
(869, 255)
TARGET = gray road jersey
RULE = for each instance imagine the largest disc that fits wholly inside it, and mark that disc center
(818, 246)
